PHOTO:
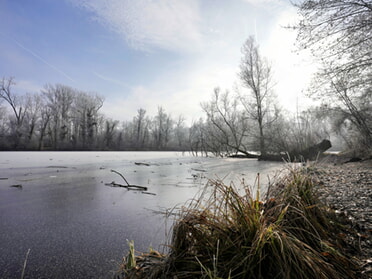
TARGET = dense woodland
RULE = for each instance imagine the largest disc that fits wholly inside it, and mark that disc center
(337, 32)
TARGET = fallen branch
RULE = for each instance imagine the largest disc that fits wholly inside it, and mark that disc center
(148, 193)
(122, 176)
(141, 164)
(128, 186)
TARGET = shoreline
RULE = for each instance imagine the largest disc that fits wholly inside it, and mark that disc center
(347, 189)
(343, 189)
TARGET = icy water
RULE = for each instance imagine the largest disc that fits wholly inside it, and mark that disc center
(58, 206)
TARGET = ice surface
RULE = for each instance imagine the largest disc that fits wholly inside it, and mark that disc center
(76, 226)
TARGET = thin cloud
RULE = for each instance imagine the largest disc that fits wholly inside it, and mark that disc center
(110, 79)
(43, 60)
(144, 24)
(264, 2)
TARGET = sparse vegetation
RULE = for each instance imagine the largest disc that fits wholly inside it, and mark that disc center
(229, 232)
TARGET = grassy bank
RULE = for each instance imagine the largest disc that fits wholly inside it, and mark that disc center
(230, 232)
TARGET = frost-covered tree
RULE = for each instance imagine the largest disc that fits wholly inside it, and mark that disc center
(339, 35)
(256, 76)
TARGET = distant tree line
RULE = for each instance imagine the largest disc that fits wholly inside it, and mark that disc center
(64, 118)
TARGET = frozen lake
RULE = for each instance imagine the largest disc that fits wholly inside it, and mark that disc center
(76, 226)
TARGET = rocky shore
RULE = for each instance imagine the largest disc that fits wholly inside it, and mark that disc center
(346, 187)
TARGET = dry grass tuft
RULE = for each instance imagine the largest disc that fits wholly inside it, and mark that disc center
(232, 234)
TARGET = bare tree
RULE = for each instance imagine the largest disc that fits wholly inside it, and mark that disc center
(45, 114)
(338, 32)
(256, 76)
(60, 99)
(4, 128)
(180, 133)
(230, 125)
(141, 128)
(349, 106)
(197, 138)
(17, 106)
(34, 103)
(85, 116)
(162, 128)
(339, 35)
(109, 133)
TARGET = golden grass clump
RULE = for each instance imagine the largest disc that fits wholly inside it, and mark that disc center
(229, 233)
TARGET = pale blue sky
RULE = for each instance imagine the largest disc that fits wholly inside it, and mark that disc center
(146, 53)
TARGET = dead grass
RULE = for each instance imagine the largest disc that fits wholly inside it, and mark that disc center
(231, 233)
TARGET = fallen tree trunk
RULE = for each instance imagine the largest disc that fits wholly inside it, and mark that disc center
(245, 156)
(308, 154)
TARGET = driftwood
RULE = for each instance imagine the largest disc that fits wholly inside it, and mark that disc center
(128, 186)
(198, 170)
(141, 164)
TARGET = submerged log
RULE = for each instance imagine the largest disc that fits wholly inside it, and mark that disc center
(308, 154)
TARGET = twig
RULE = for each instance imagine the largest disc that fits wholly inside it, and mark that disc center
(25, 263)
(129, 187)
(148, 193)
(122, 176)
(198, 170)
